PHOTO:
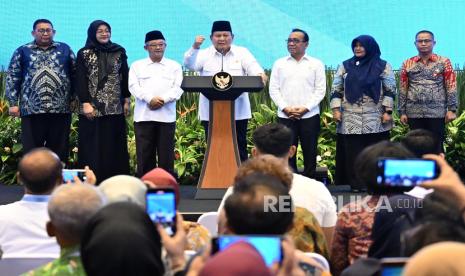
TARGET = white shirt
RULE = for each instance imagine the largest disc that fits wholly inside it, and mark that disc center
(148, 79)
(298, 83)
(22, 229)
(238, 61)
(309, 194)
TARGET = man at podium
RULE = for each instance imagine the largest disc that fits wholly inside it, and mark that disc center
(224, 56)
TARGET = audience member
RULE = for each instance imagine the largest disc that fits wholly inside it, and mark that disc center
(120, 239)
(421, 142)
(69, 208)
(244, 209)
(276, 139)
(305, 231)
(197, 235)
(352, 237)
(395, 216)
(226, 262)
(22, 223)
(124, 188)
(438, 220)
(445, 259)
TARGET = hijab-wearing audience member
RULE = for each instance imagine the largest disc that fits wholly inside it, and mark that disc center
(237, 260)
(121, 240)
(197, 235)
(124, 188)
(352, 237)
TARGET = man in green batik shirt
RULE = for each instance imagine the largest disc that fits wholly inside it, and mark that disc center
(69, 208)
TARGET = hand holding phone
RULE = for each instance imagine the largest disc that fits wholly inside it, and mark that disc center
(404, 174)
(68, 175)
(161, 207)
(269, 247)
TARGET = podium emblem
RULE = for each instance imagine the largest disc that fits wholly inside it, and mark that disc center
(222, 81)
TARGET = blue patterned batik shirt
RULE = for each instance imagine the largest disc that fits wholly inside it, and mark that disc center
(39, 80)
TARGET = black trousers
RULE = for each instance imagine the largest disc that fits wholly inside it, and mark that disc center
(435, 125)
(47, 130)
(103, 146)
(307, 131)
(241, 136)
(154, 144)
(347, 149)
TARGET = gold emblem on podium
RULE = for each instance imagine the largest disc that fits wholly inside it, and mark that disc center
(222, 81)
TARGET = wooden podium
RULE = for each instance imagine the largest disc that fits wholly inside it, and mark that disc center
(222, 156)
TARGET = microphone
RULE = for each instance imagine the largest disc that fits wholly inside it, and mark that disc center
(222, 57)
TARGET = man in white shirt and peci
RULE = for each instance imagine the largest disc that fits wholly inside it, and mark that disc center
(155, 82)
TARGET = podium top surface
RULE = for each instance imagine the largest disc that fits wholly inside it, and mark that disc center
(203, 84)
(242, 83)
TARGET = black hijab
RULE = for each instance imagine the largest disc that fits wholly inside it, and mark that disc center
(363, 74)
(105, 52)
(121, 239)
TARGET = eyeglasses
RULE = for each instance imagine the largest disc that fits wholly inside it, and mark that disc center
(160, 45)
(293, 40)
(426, 41)
(103, 32)
(43, 31)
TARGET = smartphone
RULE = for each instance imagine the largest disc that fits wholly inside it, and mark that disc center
(404, 174)
(68, 175)
(392, 266)
(161, 207)
(269, 247)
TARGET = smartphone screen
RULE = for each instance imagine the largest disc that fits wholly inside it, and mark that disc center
(405, 173)
(68, 175)
(161, 207)
(392, 266)
(269, 247)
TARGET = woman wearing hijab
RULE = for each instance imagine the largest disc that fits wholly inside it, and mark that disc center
(102, 87)
(362, 101)
(120, 239)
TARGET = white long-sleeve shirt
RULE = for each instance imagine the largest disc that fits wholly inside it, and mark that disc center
(298, 83)
(148, 79)
(238, 61)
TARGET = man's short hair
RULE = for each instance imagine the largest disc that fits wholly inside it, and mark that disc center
(421, 142)
(306, 38)
(245, 207)
(438, 220)
(366, 162)
(42, 20)
(40, 170)
(274, 139)
(266, 164)
(71, 206)
(425, 31)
